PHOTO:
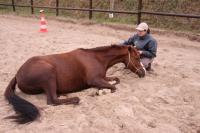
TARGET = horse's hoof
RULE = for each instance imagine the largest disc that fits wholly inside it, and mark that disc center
(113, 90)
(117, 80)
(75, 100)
(97, 93)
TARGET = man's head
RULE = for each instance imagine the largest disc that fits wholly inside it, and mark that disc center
(142, 29)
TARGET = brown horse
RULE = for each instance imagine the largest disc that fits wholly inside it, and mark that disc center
(68, 72)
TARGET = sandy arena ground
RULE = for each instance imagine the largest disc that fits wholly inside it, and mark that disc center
(165, 101)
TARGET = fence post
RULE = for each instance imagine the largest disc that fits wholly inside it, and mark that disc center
(90, 12)
(139, 12)
(13, 4)
(32, 10)
(57, 5)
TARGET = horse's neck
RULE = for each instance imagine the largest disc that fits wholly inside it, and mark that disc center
(110, 59)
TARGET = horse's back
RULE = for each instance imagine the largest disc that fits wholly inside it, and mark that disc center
(72, 71)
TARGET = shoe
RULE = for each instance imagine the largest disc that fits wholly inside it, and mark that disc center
(149, 67)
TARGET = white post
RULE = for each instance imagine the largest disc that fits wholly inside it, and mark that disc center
(111, 15)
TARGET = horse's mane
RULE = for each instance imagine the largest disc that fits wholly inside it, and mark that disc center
(104, 48)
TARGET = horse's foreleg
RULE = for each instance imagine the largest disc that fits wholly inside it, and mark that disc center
(52, 97)
(116, 79)
(102, 83)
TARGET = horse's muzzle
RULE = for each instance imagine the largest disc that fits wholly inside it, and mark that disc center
(141, 73)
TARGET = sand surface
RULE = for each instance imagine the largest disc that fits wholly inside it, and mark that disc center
(165, 101)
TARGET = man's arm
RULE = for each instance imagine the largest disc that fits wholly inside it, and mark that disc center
(152, 49)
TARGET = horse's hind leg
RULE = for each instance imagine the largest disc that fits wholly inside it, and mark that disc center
(52, 97)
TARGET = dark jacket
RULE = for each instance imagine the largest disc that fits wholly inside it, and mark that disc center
(146, 44)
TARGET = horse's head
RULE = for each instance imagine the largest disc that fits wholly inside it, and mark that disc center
(133, 63)
(129, 55)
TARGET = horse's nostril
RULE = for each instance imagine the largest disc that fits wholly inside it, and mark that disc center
(142, 73)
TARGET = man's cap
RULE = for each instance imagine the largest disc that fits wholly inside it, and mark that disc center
(41, 11)
(142, 27)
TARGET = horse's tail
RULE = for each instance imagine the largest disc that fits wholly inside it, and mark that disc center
(26, 111)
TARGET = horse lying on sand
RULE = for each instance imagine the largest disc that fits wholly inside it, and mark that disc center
(68, 72)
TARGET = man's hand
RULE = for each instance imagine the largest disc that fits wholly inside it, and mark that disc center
(140, 51)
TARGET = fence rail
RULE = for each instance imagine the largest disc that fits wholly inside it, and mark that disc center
(90, 10)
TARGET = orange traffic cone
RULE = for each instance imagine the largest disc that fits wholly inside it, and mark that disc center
(43, 23)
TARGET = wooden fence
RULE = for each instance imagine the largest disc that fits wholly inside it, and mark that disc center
(90, 10)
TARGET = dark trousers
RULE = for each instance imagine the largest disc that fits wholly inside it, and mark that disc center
(146, 62)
